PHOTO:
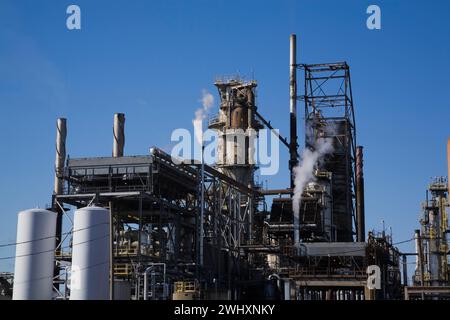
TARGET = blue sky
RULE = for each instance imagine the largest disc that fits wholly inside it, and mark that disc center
(152, 59)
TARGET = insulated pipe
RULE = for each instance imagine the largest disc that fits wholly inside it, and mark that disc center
(150, 268)
(119, 135)
(360, 214)
(61, 134)
(293, 106)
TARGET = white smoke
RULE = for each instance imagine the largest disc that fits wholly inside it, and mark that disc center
(304, 172)
(201, 114)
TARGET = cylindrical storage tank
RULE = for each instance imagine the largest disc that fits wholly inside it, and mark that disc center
(35, 255)
(89, 278)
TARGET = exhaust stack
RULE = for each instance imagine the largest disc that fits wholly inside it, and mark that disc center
(58, 189)
(119, 135)
(61, 134)
(360, 214)
(293, 107)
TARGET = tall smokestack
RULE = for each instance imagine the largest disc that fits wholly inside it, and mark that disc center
(118, 146)
(360, 214)
(61, 134)
(293, 106)
(119, 135)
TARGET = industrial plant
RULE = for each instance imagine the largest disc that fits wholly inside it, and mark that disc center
(146, 227)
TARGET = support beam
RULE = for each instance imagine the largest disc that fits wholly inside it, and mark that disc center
(111, 253)
(269, 126)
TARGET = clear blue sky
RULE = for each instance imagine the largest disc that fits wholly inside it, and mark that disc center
(151, 60)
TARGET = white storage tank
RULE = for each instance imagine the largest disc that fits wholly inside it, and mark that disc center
(35, 255)
(90, 255)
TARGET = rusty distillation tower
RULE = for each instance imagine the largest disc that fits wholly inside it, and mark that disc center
(237, 128)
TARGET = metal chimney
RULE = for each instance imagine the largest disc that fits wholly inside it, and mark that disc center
(293, 106)
(119, 135)
(61, 134)
(360, 212)
(118, 147)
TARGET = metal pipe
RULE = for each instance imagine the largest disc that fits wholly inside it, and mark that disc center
(293, 123)
(146, 283)
(119, 135)
(293, 106)
(269, 126)
(417, 247)
(118, 147)
(202, 204)
(434, 261)
(66, 281)
(61, 134)
(151, 266)
(58, 189)
(405, 270)
(279, 226)
(138, 287)
(420, 258)
(111, 252)
(360, 214)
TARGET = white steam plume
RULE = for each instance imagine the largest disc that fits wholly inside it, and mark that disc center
(201, 114)
(304, 171)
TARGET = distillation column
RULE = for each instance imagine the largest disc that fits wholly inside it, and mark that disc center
(237, 130)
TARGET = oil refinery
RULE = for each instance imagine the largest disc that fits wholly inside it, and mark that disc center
(147, 228)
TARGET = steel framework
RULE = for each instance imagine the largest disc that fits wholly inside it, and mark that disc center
(156, 204)
(328, 99)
